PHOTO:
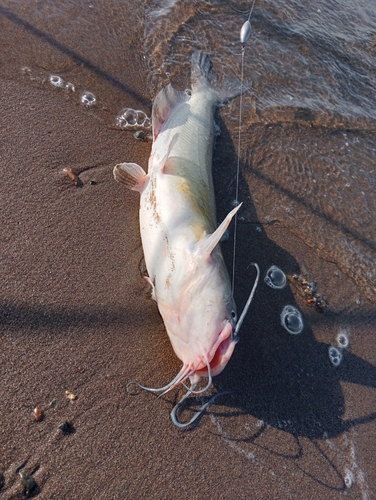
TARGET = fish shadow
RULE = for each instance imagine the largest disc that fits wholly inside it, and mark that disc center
(286, 381)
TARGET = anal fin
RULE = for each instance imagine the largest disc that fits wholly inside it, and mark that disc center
(130, 174)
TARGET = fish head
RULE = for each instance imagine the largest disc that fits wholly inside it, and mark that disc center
(201, 328)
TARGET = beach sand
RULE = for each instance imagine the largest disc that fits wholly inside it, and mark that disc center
(76, 315)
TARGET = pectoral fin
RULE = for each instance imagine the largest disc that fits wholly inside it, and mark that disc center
(130, 174)
(211, 241)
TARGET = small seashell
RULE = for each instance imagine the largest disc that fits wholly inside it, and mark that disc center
(140, 135)
(52, 404)
(66, 428)
(72, 397)
(73, 176)
(28, 482)
(38, 413)
(310, 301)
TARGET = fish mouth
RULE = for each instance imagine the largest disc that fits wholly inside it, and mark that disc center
(220, 354)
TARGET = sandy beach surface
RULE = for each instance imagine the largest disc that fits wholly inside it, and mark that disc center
(77, 316)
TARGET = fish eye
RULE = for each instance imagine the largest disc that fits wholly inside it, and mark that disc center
(233, 314)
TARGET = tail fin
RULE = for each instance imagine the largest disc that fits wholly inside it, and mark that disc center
(201, 69)
(202, 73)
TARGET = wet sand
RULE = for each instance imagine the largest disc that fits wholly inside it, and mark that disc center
(77, 316)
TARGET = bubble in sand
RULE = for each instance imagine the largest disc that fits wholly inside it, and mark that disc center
(349, 478)
(88, 98)
(147, 123)
(129, 118)
(343, 339)
(335, 355)
(275, 278)
(291, 320)
(56, 81)
(141, 117)
(70, 86)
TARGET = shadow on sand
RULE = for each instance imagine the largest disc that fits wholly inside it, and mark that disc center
(285, 381)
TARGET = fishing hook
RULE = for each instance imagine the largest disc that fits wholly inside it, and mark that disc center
(174, 413)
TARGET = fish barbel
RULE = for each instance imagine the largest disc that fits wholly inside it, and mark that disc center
(179, 230)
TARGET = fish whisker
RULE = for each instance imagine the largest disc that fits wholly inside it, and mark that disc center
(180, 377)
(192, 391)
(187, 373)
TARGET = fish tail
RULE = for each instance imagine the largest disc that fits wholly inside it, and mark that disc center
(202, 75)
(201, 69)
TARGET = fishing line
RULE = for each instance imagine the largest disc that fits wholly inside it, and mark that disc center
(245, 33)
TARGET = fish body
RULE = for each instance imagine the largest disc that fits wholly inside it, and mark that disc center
(179, 230)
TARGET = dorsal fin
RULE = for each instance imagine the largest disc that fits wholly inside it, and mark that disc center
(163, 104)
(208, 243)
